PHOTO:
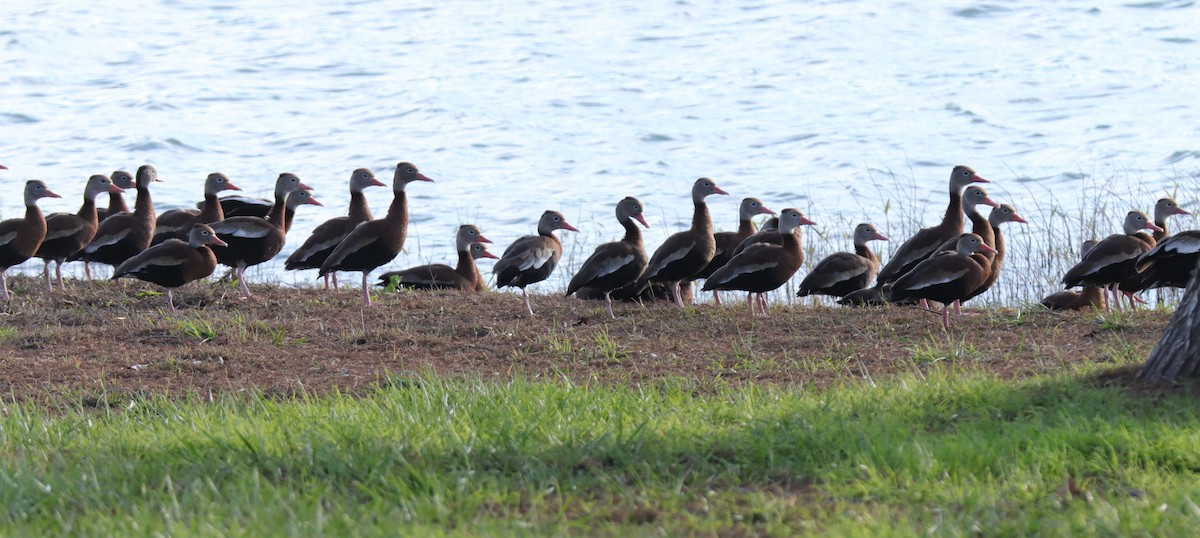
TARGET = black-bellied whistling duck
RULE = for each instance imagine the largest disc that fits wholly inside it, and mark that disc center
(726, 242)
(927, 240)
(116, 200)
(618, 263)
(177, 223)
(377, 242)
(1170, 263)
(686, 253)
(843, 272)
(262, 210)
(1142, 280)
(1000, 214)
(326, 236)
(121, 236)
(20, 238)
(763, 267)
(769, 233)
(250, 241)
(1091, 297)
(973, 197)
(468, 241)
(946, 278)
(1114, 258)
(66, 233)
(173, 262)
(531, 258)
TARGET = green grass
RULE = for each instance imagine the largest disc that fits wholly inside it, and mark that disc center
(943, 455)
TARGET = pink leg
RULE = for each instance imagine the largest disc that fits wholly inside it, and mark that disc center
(924, 303)
(946, 316)
(750, 303)
(4, 286)
(334, 276)
(957, 307)
(58, 273)
(762, 303)
(87, 270)
(678, 293)
(366, 291)
(608, 304)
(170, 302)
(46, 275)
(717, 297)
(327, 281)
(528, 306)
(240, 274)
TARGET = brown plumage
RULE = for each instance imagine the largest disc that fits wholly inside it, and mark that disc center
(20, 238)
(120, 237)
(174, 262)
(177, 223)
(531, 258)
(946, 278)
(468, 241)
(686, 253)
(1000, 214)
(116, 200)
(618, 263)
(1114, 258)
(1170, 263)
(1091, 297)
(763, 267)
(973, 197)
(254, 240)
(1164, 274)
(843, 272)
(769, 233)
(326, 236)
(927, 240)
(377, 242)
(67, 233)
(727, 242)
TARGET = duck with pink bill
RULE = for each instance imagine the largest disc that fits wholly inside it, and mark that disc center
(21, 237)
(946, 278)
(532, 258)
(618, 263)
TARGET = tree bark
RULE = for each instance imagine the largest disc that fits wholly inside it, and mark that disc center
(1177, 355)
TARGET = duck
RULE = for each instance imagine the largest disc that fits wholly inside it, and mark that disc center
(469, 242)
(173, 262)
(1170, 263)
(843, 272)
(531, 258)
(1091, 297)
(116, 200)
(1000, 214)
(261, 208)
(67, 233)
(1140, 280)
(21, 237)
(928, 240)
(177, 223)
(726, 242)
(684, 254)
(946, 278)
(615, 264)
(376, 242)
(326, 236)
(121, 236)
(1114, 258)
(763, 267)
(250, 241)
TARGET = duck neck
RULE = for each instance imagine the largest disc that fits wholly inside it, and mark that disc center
(116, 203)
(746, 228)
(466, 265)
(863, 250)
(278, 214)
(701, 222)
(954, 212)
(359, 211)
(633, 235)
(398, 211)
(1146, 238)
(211, 212)
(87, 211)
(34, 220)
(143, 206)
(1160, 235)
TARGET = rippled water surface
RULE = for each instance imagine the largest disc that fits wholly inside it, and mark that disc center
(841, 108)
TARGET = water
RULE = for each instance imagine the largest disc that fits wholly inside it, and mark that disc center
(841, 108)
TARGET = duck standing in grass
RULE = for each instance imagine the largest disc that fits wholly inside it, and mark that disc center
(684, 254)
(946, 278)
(66, 233)
(173, 262)
(374, 243)
(20, 238)
(616, 264)
(531, 259)
(763, 267)
(843, 272)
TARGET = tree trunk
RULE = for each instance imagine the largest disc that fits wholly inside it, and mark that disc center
(1177, 355)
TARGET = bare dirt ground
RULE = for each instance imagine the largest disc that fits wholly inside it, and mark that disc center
(101, 339)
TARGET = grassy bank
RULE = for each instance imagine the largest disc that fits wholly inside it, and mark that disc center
(940, 454)
(300, 412)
